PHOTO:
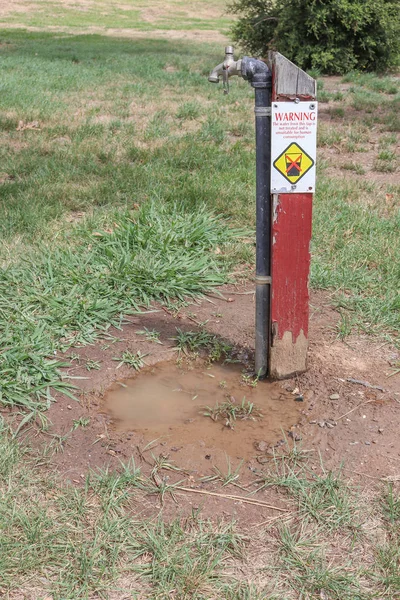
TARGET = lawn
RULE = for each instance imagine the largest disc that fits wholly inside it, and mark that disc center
(126, 177)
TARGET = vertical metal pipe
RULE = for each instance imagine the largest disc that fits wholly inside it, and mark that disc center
(263, 225)
(259, 76)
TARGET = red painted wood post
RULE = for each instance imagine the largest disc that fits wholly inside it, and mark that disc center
(292, 216)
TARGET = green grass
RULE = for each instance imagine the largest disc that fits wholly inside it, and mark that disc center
(56, 298)
(130, 14)
(197, 341)
(103, 139)
(356, 252)
(387, 85)
(310, 573)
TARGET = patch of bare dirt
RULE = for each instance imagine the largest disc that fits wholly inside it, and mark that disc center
(194, 35)
(155, 11)
(8, 7)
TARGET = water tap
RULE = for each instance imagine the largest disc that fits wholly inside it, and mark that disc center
(226, 69)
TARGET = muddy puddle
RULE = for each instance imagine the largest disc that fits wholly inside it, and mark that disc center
(166, 402)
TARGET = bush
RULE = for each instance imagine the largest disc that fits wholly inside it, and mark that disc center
(332, 36)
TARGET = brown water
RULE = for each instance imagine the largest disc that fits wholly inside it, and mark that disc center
(166, 401)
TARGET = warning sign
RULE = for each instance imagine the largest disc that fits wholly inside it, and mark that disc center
(293, 163)
(294, 141)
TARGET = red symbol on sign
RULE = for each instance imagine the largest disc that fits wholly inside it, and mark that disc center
(293, 165)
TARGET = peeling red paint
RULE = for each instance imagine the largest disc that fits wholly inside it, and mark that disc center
(291, 232)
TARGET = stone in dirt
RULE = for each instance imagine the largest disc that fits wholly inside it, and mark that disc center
(261, 446)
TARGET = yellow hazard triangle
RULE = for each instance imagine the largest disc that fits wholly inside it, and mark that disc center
(293, 163)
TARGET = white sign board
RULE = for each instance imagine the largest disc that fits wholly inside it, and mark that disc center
(294, 146)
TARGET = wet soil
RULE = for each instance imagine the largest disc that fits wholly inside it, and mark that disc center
(170, 403)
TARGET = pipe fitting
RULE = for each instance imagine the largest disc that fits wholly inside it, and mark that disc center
(256, 72)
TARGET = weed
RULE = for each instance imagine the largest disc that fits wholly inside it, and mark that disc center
(159, 486)
(188, 110)
(391, 506)
(81, 422)
(385, 570)
(161, 462)
(392, 121)
(388, 140)
(324, 96)
(230, 477)
(73, 296)
(134, 360)
(309, 571)
(324, 499)
(194, 341)
(344, 259)
(93, 365)
(364, 100)
(230, 412)
(373, 82)
(328, 136)
(337, 112)
(356, 167)
(386, 155)
(385, 165)
(250, 379)
(151, 335)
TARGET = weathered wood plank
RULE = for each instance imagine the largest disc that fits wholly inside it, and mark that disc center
(291, 234)
(290, 82)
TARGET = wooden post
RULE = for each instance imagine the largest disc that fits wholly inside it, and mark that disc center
(291, 235)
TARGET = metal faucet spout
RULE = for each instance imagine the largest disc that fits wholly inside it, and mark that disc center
(226, 69)
(216, 73)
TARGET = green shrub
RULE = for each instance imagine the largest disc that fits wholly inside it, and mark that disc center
(333, 36)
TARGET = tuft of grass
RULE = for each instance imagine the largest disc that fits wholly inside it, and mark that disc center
(93, 365)
(388, 139)
(230, 412)
(195, 341)
(337, 112)
(310, 573)
(231, 476)
(188, 111)
(384, 165)
(324, 499)
(374, 82)
(57, 297)
(81, 422)
(386, 155)
(390, 502)
(151, 335)
(132, 359)
(186, 559)
(385, 570)
(352, 166)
